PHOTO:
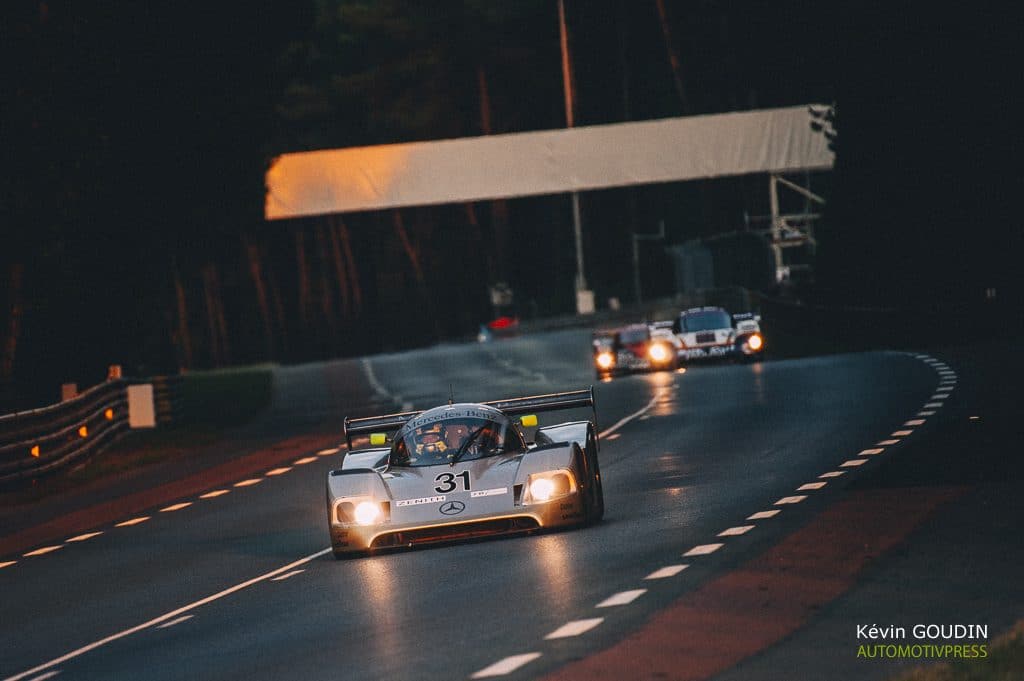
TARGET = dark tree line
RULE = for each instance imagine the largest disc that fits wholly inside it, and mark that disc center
(136, 138)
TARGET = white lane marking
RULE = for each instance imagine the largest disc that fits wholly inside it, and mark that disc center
(927, 412)
(83, 537)
(181, 619)
(47, 675)
(249, 483)
(621, 598)
(902, 433)
(645, 417)
(506, 666)
(871, 452)
(327, 452)
(614, 436)
(281, 578)
(304, 460)
(761, 515)
(790, 500)
(703, 550)
(133, 521)
(214, 493)
(811, 486)
(886, 443)
(832, 474)
(933, 405)
(371, 378)
(574, 628)
(278, 471)
(7, 563)
(637, 414)
(176, 507)
(853, 462)
(168, 616)
(667, 571)
(43, 551)
(914, 422)
(736, 531)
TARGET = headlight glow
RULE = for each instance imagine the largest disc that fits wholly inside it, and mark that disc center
(541, 489)
(605, 360)
(550, 485)
(658, 352)
(755, 342)
(367, 513)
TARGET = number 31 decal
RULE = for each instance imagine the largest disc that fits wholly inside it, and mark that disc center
(448, 484)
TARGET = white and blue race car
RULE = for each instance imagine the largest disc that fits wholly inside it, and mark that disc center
(464, 470)
(711, 332)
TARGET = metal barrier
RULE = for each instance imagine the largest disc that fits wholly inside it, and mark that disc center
(40, 441)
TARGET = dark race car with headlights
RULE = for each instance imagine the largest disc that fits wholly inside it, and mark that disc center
(633, 348)
(464, 470)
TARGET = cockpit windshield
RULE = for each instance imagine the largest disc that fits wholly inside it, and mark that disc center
(706, 320)
(455, 439)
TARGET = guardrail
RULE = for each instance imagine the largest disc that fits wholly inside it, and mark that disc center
(40, 441)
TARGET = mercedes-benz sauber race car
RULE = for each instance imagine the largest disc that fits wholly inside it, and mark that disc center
(711, 332)
(464, 470)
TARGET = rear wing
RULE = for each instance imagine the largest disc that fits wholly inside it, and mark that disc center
(572, 399)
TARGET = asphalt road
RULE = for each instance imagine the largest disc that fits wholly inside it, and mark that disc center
(240, 586)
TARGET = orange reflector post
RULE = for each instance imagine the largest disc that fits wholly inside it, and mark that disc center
(34, 451)
(83, 431)
(109, 413)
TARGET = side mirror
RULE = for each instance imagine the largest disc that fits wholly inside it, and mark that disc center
(378, 439)
(528, 421)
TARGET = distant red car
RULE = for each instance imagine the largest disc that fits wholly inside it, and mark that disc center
(630, 349)
(502, 327)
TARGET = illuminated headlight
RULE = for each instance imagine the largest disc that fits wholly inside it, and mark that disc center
(755, 342)
(543, 487)
(658, 352)
(360, 512)
(605, 360)
(367, 513)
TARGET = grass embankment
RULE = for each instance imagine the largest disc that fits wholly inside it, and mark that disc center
(1005, 662)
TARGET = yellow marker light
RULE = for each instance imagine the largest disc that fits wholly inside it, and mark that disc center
(658, 352)
(378, 439)
(755, 342)
(109, 414)
(541, 489)
(528, 421)
(83, 431)
(34, 451)
(367, 513)
(605, 360)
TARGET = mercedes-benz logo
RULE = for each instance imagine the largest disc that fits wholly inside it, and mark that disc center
(453, 507)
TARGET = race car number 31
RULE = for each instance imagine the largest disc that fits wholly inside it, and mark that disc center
(447, 482)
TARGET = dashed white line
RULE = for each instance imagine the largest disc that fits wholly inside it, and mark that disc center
(914, 422)
(614, 436)
(703, 550)
(637, 414)
(811, 486)
(505, 666)
(871, 452)
(43, 551)
(133, 521)
(176, 507)
(7, 563)
(166, 617)
(761, 515)
(181, 619)
(621, 598)
(214, 493)
(886, 443)
(83, 537)
(902, 433)
(47, 675)
(281, 578)
(832, 474)
(249, 483)
(327, 452)
(574, 628)
(667, 571)
(736, 531)
(278, 471)
(933, 405)
(927, 412)
(853, 462)
(790, 500)
(304, 460)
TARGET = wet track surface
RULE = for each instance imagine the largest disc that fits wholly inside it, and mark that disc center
(719, 443)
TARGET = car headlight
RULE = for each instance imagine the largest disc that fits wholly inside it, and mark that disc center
(361, 512)
(755, 342)
(543, 487)
(658, 352)
(605, 360)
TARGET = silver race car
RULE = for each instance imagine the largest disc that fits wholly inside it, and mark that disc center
(464, 470)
